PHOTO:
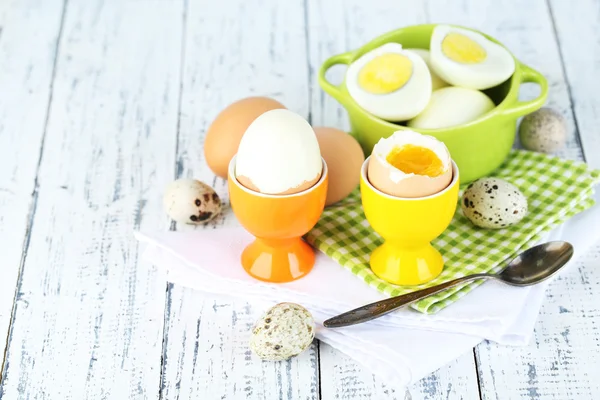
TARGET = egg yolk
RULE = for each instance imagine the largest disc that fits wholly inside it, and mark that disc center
(418, 160)
(462, 49)
(385, 73)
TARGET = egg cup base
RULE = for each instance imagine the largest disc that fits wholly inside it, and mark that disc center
(406, 266)
(278, 260)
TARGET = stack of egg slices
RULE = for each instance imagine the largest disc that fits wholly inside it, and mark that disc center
(431, 89)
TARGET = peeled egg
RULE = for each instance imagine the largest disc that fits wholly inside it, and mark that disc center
(451, 106)
(409, 164)
(224, 134)
(344, 158)
(279, 154)
(389, 82)
(436, 81)
(468, 59)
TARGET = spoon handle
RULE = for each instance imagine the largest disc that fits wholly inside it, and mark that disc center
(379, 308)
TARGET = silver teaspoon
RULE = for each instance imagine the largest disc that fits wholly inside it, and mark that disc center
(528, 268)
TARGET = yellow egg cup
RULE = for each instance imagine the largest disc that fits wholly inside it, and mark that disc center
(408, 225)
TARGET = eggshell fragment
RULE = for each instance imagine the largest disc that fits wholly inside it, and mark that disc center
(344, 158)
(493, 203)
(544, 130)
(190, 201)
(284, 331)
(225, 133)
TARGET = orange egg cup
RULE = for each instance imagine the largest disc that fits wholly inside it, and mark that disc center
(278, 254)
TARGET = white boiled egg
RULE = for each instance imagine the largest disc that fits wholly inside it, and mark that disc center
(468, 59)
(389, 82)
(278, 154)
(451, 106)
(408, 164)
(436, 81)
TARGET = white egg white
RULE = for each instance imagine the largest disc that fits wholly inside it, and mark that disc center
(278, 152)
(497, 66)
(436, 81)
(452, 106)
(400, 105)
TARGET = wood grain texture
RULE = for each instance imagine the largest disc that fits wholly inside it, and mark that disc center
(88, 320)
(231, 51)
(555, 365)
(575, 25)
(335, 27)
(29, 33)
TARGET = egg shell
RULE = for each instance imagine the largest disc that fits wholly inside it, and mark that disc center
(190, 201)
(493, 203)
(452, 106)
(394, 182)
(544, 130)
(284, 331)
(344, 158)
(436, 81)
(225, 133)
(496, 68)
(279, 154)
(401, 104)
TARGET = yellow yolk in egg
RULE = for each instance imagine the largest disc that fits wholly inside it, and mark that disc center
(385, 73)
(418, 160)
(462, 49)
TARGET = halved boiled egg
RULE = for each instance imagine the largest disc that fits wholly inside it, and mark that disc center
(436, 81)
(389, 82)
(409, 164)
(468, 59)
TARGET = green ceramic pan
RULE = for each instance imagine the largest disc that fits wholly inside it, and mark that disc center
(478, 147)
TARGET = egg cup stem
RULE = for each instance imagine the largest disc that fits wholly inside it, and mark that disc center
(278, 260)
(400, 264)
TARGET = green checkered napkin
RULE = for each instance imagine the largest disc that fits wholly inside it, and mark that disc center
(556, 189)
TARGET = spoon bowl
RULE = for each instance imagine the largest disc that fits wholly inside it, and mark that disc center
(537, 264)
(532, 266)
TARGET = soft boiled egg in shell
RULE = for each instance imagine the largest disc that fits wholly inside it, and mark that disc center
(278, 154)
(468, 59)
(408, 164)
(389, 82)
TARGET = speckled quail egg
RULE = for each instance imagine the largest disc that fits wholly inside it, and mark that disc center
(284, 331)
(190, 201)
(544, 130)
(493, 203)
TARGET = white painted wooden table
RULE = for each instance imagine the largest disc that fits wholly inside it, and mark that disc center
(103, 102)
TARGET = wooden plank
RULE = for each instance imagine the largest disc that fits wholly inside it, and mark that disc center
(556, 364)
(336, 27)
(233, 50)
(29, 32)
(88, 320)
(579, 41)
(348, 380)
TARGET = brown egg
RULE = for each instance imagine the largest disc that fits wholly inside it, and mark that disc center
(224, 134)
(344, 158)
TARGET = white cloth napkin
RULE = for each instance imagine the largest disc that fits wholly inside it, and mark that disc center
(403, 346)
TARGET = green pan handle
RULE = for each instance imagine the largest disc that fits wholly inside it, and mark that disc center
(333, 90)
(529, 75)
